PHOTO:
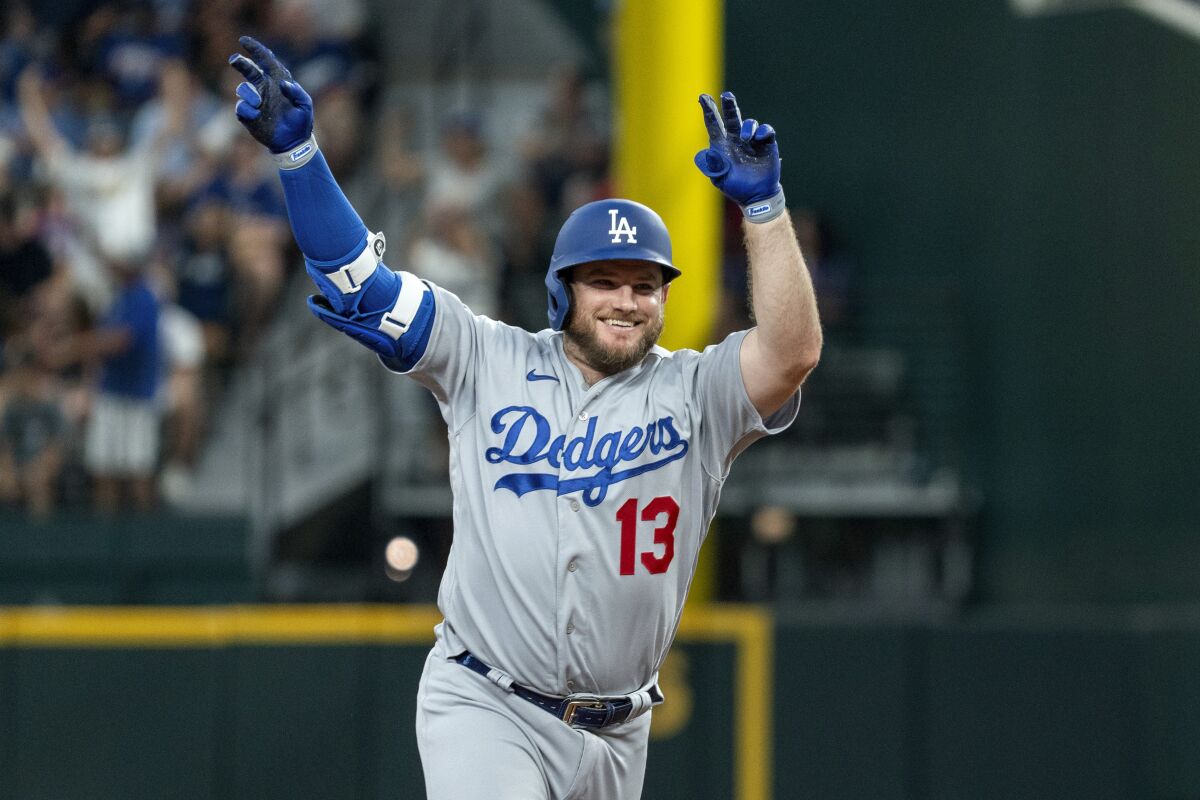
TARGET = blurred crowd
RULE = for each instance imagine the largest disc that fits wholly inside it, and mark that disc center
(144, 243)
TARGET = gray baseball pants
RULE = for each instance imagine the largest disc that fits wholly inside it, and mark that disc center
(479, 741)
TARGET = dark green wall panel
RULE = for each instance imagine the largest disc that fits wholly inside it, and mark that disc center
(8, 720)
(1168, 677)
(109, 723)
(998, 705)
(294, 725)
(1020, 713)
(843, 712)
(391, 738)
(56, 588)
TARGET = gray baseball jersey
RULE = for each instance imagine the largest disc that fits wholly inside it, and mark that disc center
(579, 511)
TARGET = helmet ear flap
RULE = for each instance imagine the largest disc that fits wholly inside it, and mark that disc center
(559, 296)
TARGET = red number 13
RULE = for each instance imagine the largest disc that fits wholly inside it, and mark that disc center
(664, 534)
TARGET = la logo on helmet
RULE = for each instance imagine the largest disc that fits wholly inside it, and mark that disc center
(621, 229)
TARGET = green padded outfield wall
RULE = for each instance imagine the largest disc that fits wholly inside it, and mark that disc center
(995, 706)
(1046, 173)
(263, 702)
(260, 703)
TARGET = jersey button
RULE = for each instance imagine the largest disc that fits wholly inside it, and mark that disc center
(583, 415)
(574, 505)
(570, 627)
(572, 567)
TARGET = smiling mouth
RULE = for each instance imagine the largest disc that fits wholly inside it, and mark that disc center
(620, 324)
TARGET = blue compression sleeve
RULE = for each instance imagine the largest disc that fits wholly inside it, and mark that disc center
(325, 225)
(330, 233)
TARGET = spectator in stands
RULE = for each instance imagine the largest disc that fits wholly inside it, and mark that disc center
(316, 56)
(456, 254)
(110, 190)
(462, 175)
(55, 313)
(246, 184)
(526, 244)
(341, 128)
(17, 48)
(24, 262)
(182, 398)
(122, 436)
(209, 26)
(389, 190)
(123, 43)
(258, 234)
(460, 207)
(339, 21)
(181, 170)
(52, 314)
(32, 434)
(568, 141)
(202, 272)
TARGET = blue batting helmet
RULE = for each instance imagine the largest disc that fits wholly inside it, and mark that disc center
(605, 230)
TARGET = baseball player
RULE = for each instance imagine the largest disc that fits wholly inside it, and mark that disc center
(586, 462)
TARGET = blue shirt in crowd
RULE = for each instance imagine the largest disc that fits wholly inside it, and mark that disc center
(134, 373)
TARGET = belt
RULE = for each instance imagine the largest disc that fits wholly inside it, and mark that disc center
(578, 710)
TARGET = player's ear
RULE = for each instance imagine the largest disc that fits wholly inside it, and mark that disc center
(665, 288)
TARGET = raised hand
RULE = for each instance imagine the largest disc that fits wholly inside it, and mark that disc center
(742, 158)
(272, 106)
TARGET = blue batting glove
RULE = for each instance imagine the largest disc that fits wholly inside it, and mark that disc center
(742, 159)
(272, 106)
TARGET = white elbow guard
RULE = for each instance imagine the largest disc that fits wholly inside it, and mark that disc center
(349, 278)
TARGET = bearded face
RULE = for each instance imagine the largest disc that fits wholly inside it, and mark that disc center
(616, 314)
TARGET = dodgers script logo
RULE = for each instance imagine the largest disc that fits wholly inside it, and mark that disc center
(527, 441)
(623, 229)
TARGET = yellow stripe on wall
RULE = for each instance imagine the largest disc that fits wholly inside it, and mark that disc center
(667, 52)
(216, 626)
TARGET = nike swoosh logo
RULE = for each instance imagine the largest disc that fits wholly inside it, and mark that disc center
(533, 376)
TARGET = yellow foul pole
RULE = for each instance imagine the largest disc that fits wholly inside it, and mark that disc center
(666, 53)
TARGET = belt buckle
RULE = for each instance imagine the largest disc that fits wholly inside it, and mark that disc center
(573, 706)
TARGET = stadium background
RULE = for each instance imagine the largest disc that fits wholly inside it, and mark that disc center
(974, 573)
